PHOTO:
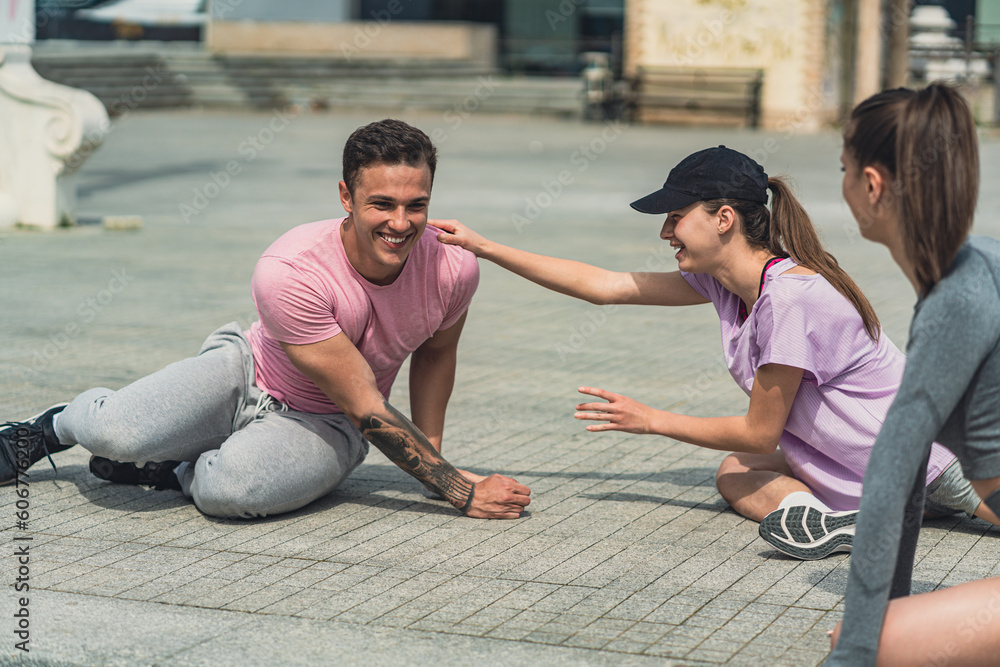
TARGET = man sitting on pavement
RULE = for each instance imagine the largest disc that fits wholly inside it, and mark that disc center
(266, 421)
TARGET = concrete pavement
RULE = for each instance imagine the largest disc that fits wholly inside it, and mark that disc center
(628, 554)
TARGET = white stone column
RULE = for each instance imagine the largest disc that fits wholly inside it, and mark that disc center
(47, 130)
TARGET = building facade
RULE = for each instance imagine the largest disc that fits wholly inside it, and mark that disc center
(799, 45)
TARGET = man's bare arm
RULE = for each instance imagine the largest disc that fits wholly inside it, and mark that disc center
(337, 368)
(401, 441)
(432, 377)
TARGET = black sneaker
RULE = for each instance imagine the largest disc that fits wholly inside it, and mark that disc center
(807, 533)
(22, 444)
(159, 475)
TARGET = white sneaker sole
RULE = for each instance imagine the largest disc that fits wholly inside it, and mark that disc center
(805, 532)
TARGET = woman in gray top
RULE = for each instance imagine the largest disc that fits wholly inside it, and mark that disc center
(911, 179)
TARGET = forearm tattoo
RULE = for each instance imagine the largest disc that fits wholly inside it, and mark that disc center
(404, 444)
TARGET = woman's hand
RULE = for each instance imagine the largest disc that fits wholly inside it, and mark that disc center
(621, 412)
(458, 234)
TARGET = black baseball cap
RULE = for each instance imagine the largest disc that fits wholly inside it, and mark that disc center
(714, 173)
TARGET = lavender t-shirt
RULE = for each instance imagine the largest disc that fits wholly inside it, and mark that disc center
(307, 291)
(848, 380)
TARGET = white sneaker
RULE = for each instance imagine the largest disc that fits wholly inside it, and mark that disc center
(807, 533)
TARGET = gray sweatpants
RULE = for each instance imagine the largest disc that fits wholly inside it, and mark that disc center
(248, 459)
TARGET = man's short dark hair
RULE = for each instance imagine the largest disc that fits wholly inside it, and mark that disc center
(389, 142)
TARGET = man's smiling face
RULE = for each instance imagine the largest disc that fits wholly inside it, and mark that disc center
(387, 214)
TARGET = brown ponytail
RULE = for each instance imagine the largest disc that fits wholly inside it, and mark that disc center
(786, 230)
(927, 142)
(937, 158)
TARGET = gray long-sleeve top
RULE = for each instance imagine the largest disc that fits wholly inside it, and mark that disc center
(950, 393)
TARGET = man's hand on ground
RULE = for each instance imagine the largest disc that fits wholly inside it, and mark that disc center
(498, 497)
(471, 476)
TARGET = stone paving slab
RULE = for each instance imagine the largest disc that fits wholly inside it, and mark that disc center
(627, 556)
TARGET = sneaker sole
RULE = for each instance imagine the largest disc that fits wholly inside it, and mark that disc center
(808, 534)
(102, 468)
(129, 474)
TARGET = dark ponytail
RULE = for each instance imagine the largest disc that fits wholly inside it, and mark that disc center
(926, 141)
(937, 178)
(786, 230)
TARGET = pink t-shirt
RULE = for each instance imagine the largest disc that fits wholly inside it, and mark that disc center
(307, 291)
(848, 383)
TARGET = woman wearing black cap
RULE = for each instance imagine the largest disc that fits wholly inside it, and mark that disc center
(798, 336)
(911, 179)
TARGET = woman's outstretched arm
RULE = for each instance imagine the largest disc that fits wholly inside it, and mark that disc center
(576, 279)
(757, 432)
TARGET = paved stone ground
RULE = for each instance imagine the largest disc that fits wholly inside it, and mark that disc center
(627, 556)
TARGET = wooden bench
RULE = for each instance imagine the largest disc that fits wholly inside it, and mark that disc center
(698, 96)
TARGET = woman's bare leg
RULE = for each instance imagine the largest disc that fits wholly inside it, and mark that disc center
(987, 514)
(986, 487)
(755, 484)
(955, 626)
